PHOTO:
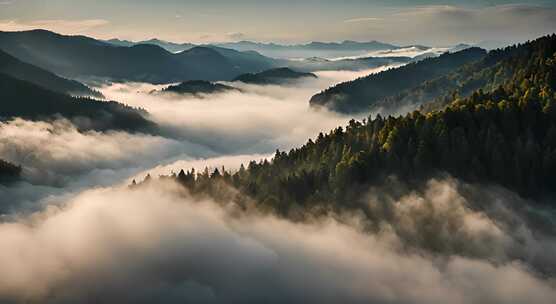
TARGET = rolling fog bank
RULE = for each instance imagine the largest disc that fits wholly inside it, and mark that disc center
(158, 244)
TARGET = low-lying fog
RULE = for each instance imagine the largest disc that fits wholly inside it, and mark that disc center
(156, 244)
(411, 51)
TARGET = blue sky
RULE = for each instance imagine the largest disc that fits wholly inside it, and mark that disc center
(287, 21)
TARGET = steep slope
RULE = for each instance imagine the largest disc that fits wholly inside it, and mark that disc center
(77, 56)
(360, 94)
(26, 100)
(15, 68)
(274, 76)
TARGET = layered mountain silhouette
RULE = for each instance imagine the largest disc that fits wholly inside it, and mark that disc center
(29, 101)
(364, 93)
(15, 68)
(319, 49)
(274, 76)
(169, 46)
(274, 50)
(78, 56)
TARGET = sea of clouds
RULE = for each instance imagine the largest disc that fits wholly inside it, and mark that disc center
(73, 231)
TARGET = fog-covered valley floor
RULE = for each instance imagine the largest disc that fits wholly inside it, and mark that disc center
(74, 231)
(224, 129)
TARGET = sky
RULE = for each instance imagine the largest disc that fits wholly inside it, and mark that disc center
(288, 21)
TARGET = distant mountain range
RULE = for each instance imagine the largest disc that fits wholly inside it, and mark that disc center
(319, 49)
(346, 55)
(78, 56)
(169, 46)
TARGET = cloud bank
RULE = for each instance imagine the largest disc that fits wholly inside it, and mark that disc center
(157, 244)
(259, 119)
(95, 239)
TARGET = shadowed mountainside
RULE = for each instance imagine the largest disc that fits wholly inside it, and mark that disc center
(15, 68)
(29, 101)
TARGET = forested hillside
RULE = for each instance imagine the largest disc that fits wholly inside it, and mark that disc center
(505, 137)
(26, 100)
(197, 87)
(358, 95)
(498, 67)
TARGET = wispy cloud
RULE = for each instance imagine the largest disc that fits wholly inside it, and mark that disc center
(236, 35)
(211, 15)
(57, 25)
(448, 24)
(364, 19)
